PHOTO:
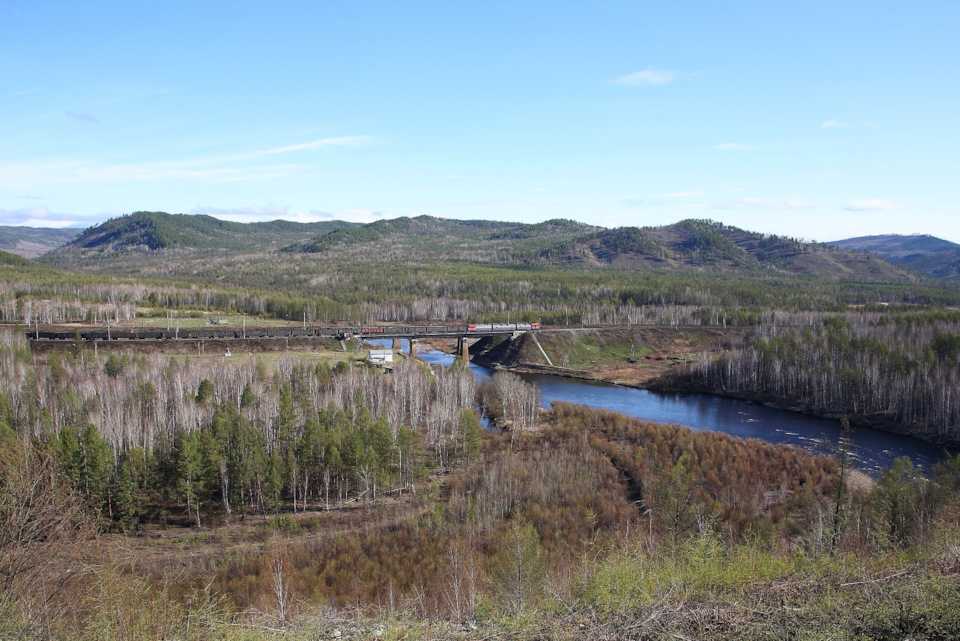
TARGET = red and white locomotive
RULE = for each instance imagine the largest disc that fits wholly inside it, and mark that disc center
(503, 327)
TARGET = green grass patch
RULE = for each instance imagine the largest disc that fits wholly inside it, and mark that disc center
(582, 350)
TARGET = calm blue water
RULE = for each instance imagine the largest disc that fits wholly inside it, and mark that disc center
(872, 450)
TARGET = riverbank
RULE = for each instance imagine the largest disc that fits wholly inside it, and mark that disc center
(654, 359)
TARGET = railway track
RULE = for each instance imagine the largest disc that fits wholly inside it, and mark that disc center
(92, 333)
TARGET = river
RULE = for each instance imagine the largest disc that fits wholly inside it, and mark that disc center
(871, 451)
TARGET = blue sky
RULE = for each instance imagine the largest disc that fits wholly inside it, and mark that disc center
(818, 120)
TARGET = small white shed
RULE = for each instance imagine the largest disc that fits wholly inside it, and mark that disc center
(380, 357)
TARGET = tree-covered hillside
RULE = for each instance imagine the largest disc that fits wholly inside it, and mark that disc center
(144, 230)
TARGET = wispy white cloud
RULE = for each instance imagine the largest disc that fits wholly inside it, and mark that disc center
(35, 174)
(263, 213)
(82, 117)
(656, 200)
(872, 204)
(680, 194)
(128, 93)
(44, 174)
(548, 200)
(20, 92)
(223, 168)
(41, 216)
(734, 146)
(768, 203)
(269, 212)
(364, 215)
(339, 141)
(838, 124)
(647, 77)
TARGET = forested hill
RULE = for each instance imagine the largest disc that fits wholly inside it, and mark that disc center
(9, 259)
(702, 243)
(426, 233)
(16, 269)
(31, 242)
(142, 244)
(922, 253)
(690, 243)
(151, 231)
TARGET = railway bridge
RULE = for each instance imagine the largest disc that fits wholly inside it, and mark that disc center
(463, 333)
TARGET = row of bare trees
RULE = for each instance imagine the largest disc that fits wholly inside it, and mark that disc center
(510, 400)
(234, 432)
(120, 303)
(899, 367)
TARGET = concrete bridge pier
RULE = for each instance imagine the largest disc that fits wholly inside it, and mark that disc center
(413, 348)
(396, 344)
(463, 349)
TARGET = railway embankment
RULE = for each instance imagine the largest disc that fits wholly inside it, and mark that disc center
(632, 356)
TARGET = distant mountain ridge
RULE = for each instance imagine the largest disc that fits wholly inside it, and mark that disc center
(30, 242)
(144, 243)
(689, 243)
(922, 253)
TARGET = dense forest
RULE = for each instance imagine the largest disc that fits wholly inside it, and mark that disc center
(247, 438)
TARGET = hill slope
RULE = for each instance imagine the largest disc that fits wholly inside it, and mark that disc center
(701, 244)
(925, 254)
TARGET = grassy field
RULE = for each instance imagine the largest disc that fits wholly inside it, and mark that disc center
(583, 350)
(211, 355)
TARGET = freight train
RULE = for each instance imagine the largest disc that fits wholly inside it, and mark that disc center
(504, 327)
(328, 331)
